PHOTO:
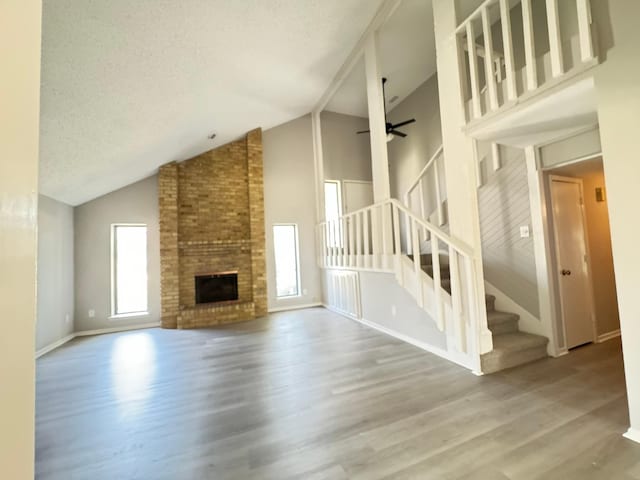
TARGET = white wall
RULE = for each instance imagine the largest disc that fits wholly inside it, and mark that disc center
(504, 205)
(618, 89)
(137, 203)
(386, 304)
(20, 33)
(55, 271)
(347, 155)
(289, 197)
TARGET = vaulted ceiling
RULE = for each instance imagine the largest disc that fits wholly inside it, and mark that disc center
(130, 85)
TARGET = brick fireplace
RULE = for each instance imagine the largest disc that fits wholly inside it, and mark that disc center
(212, 220)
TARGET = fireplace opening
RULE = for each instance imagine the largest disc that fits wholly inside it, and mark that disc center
(216, 287)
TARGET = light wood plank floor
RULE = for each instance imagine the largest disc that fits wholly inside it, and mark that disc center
(312, 395)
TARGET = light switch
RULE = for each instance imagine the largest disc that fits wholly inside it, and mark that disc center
(524, 231)
(92, 313)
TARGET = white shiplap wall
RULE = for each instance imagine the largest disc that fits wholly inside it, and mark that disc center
(509, 262)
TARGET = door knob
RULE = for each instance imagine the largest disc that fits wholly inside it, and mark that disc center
(566, 272)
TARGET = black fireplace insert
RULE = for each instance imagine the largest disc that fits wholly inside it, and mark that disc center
(217, 287)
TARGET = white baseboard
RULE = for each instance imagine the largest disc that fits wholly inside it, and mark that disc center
(608, 336)
(87, 333)
(102, 331)
(632, 434)
(54, 345)
(294, 307)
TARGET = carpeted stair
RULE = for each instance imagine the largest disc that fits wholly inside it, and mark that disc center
(511, 347)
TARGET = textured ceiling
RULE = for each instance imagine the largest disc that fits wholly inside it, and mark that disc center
(130, 85)
(407, 58)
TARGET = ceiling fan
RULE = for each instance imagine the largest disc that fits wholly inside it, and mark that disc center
(391, 128)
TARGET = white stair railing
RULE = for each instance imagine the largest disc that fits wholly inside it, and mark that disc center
(425, 196)
(484, 94)
(370, 239)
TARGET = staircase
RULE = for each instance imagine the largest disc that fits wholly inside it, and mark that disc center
(511, 347)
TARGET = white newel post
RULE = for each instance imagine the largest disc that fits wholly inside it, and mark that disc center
(379, 157)
(461, 181)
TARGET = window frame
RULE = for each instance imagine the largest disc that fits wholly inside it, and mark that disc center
(297, 254)
(114, 263)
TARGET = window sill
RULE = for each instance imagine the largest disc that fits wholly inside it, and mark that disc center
(124, 316)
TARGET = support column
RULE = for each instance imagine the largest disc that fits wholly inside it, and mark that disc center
(461, 178)
(379, 156)
(20, 40)
(618, 88)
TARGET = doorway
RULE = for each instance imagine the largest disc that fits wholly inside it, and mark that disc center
(582, 259)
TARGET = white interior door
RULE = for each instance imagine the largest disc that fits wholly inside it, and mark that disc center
(572, 261)
(357, 195)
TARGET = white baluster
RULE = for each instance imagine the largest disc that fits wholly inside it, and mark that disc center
(507, 41)
(456, 300)
(529, 46)
(417, 262)
(555, 41)
(488, 60)
(367, 241)
(437, 284)
(584, 27)
(396, 243)
(473, 70)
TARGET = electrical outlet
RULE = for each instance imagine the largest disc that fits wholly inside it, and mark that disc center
(393, 310)
(92, 313)
(524, 232)
(67, 319)
(305, 291)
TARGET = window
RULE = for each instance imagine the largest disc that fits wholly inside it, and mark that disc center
(285, 246)
(129, 269)
(333, 211)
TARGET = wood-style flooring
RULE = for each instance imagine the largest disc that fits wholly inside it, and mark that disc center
(312, 395)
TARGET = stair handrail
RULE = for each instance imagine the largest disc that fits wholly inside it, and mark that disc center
(418, 183)
(370, 239)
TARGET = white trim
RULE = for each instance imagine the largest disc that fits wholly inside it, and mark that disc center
(416, 343)
(126, 316)
(566, 163)
(608, 336)
(411, 341)
(87, 333)
(632, 434)
(54, 345)
(542, 245)
(101, 331)
(294, 307)
(556, 266)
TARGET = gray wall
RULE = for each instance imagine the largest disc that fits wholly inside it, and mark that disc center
(289, 197)
(407, 156)
(380, 294)
(55, 272)
(509, 261)
(346, 155)
(137, 203)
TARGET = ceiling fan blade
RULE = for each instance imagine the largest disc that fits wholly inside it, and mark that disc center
(402, 124)
(398, 134)
(363, 131)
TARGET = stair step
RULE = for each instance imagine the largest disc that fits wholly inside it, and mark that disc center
(490, 301)
(444, 271)
(502, 322)
(425, 259)
(513, 349)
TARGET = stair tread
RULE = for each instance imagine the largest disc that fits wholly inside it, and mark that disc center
(515, 342)
(497, 316)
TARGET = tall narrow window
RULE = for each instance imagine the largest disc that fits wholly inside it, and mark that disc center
(129, 269)
(285, 245)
